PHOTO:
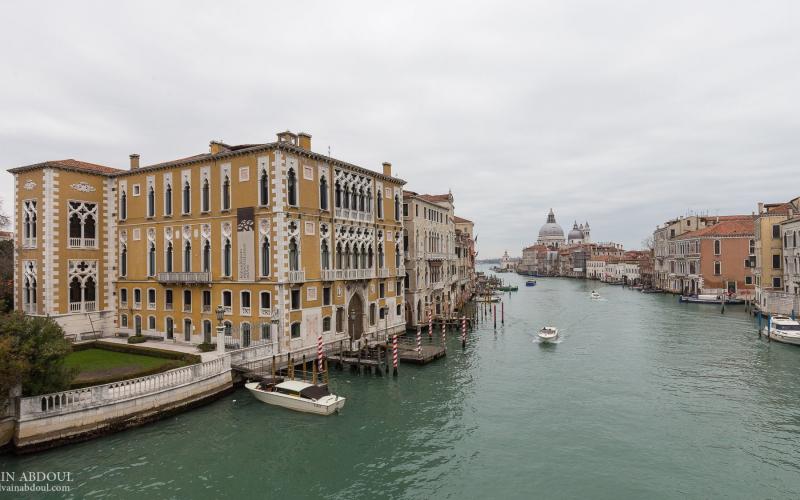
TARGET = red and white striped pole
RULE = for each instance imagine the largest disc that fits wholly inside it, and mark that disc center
(463, 331)
(419, 341)
(430, 324)
(394, 354)
(319, 353)
(444, 335)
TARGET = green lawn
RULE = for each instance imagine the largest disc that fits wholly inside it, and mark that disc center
(98, 366)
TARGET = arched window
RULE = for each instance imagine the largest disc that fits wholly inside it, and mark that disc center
(347, 256)
(363, 257)
(370, 257)
(226, 193)
(228, 328)
(396, 207)
(151, 260)
(89, 289)
(264, 256)
(168, 258)
(295, 330)
(75, 229)
(369, 200)
(187, 257)
(187, 197)
(226, 258)
(263, 188)
(406, 281)
(291, 186)
(361, 199)
(380, 255)
(339, 256)
(356, 256)
(88, 229)
(294, 261)
(346, 199)
(123, 206)
(245, 334)
(151, 202)
(326, 324)
(205, 197)
(187, 329)
(354, 202)
(168, 201)
(379, 205)
(323, 193)
(207, 256)
(325, 255)
(123, 261)
(265, 331)
(337, 195)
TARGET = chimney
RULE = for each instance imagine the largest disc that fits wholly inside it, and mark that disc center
(760, 208)
(217, 147)
(134, 161)
(387, 169)
(305, 140)
(288, 137)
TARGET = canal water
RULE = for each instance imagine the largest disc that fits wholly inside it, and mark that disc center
(642, 398)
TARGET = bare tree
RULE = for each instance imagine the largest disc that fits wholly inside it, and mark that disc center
(648, 243)
(5, 220)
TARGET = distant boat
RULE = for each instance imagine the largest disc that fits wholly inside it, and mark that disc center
(530, 283)
(783, 329)
(508, 288)
(709, 299)
(595, 295)
(652, 290)
(548, 334)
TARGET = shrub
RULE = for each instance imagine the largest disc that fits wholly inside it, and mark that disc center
(206, 347)
(137, 339)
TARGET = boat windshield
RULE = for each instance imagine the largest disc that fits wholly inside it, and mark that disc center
(792, 328)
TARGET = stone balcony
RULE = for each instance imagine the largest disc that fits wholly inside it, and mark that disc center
(184, 277)
(347, 274)
(297, 276)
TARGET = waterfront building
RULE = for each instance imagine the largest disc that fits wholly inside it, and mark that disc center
(289, 242)
(465, 258)
(767, 266)
(505, 262)
(790, 231)
(714, 259)
(431, 262)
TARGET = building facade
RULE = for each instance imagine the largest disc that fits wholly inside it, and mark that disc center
(289, 242)
(768, 265)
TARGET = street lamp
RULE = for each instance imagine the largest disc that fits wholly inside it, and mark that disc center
(220, 330)
(352, 318)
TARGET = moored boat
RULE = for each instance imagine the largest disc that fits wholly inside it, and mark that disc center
(548, 334)
(783, 329)
(298, 396)
(530, 283)
(710, 299)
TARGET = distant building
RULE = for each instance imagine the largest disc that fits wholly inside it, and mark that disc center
(767, 266)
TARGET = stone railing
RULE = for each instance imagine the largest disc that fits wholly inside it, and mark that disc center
(297, 276)
(261, 351)
(347, 274)
(101, 395)
(29, 243)
(184, 277)
(383, 273)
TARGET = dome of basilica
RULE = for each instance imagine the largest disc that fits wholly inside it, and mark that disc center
(576, 233)
(551, 229)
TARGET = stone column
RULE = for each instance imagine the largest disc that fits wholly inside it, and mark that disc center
(221, 339)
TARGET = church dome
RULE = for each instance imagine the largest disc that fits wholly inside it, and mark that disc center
(576, 233)
(551, 229)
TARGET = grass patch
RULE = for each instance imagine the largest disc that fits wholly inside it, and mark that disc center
(101, 366)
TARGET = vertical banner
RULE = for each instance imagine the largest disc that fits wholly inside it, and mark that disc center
(245, 236)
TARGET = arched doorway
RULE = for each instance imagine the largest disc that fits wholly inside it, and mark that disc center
(355, 317)
(419, 311)
(409, 316)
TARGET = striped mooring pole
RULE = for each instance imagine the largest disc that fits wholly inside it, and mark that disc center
(444, 334)
(430, 324)
(394, 354)
(419, 341)
(463, 331)
(319, 353)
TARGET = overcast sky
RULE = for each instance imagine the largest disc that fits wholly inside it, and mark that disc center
(620, 113)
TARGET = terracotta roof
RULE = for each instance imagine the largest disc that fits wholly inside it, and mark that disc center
(70, 164)
(435, 197)
(778, 208)
(461, 220)
(730, 227)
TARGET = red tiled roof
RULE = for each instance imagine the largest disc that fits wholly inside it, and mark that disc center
(70, 164)
(728, 227)
(435, 197)
(461, 220)
(778, 208)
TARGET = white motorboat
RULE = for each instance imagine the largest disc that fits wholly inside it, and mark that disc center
(298, 396)
(783, 329)
(548, 334)
(595, 295)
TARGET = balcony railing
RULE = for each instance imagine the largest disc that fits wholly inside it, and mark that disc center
(206, 308)
(347, 274)
(244, 311)
(265, 311)
(187, 308)
(151, 305)
(297, 276)
(123, 304)
(168, 306)
(184, 277)
(137, 305)
(82, 242)
(228, 309)
(383, 273)
(89, 306)
(29, 243)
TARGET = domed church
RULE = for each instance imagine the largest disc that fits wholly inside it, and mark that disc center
(551, 234)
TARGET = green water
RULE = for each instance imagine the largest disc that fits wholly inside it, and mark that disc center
(643, 398)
